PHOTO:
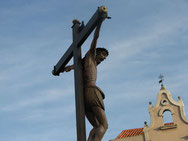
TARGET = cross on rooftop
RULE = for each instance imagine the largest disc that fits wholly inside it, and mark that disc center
(161, 77)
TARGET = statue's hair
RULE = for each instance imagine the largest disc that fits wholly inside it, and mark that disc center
(99, 49)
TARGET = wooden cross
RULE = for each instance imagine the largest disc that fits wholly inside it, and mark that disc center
(80, 34)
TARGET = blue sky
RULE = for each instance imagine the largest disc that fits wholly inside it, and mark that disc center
(144, 38)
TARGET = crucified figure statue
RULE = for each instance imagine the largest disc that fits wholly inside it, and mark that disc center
(93, 95)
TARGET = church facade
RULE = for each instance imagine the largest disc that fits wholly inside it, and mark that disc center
(158, 130)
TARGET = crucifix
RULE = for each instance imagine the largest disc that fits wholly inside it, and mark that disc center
(80, 34)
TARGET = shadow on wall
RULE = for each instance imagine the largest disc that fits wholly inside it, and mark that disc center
(185, 138)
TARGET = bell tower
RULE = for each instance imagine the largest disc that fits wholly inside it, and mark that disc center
(159, 129)
(167, 120)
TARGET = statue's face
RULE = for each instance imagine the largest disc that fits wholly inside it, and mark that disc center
(101, 56)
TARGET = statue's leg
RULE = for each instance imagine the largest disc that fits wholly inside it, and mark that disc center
(92, 119)
(99, 113)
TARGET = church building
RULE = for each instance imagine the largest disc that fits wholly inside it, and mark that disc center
(158, 130)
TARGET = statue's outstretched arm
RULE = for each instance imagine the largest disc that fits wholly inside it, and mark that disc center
(96, 36)
(68, 68)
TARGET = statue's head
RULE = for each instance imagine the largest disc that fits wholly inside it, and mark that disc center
(101, 54)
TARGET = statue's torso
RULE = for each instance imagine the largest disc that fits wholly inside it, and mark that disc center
(90, 70)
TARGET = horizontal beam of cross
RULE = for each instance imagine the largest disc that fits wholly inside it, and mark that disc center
(83, 35)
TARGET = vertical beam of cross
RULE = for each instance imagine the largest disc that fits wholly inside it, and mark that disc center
(79, 86)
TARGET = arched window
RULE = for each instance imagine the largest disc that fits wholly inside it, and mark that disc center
(167, 117)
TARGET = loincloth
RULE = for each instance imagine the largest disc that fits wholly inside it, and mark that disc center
(93, 98)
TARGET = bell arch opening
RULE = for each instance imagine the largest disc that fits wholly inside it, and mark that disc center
(167, 117)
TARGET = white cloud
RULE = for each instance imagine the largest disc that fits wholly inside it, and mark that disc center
(42, 98)
(157, 36)
(62, 113)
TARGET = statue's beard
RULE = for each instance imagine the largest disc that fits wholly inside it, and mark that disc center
(98, 61)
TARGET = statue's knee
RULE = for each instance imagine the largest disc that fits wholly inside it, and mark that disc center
(105, 126)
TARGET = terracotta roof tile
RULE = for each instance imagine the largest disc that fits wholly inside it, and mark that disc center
(135, 132)
(130, 133)
(171, 123)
